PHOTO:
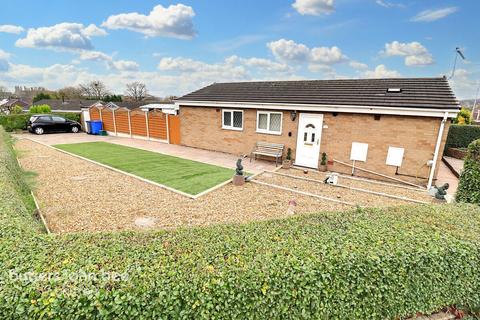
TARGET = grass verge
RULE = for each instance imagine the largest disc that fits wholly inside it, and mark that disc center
(185, 175)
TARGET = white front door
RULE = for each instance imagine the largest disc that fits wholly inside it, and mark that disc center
(308, 139)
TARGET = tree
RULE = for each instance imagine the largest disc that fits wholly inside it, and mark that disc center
(40, 96)
(69, 93)
(112, 98)
(463, 117)
(16, 109)
(94, 90)
(136, 91)
(469, 186)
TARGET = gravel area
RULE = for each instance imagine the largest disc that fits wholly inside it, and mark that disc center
(76, 195)
(389, 189)
(351, 196)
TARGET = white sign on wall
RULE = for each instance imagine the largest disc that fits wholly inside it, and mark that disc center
(395, 156)
(359, 151)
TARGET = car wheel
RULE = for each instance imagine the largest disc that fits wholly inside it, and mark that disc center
(39, 130)
(75, 129)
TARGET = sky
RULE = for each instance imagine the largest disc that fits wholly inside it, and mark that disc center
(175, 47)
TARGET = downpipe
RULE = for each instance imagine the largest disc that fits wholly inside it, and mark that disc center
(437, 150)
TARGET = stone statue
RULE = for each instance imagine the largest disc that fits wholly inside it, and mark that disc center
(239, 170)
(441, 192)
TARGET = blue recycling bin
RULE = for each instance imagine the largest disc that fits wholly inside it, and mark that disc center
(96, 126)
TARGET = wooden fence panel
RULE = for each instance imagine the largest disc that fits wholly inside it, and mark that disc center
(174, 129)
(121, 120)
(157, 125)
(94, 114)
(139, 125)
(107, 118)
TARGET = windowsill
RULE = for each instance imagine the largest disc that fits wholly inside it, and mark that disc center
(269, 132)
(232, 128)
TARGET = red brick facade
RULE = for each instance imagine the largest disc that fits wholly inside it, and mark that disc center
(201, 127)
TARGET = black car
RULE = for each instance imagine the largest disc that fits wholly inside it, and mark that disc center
(42, 123)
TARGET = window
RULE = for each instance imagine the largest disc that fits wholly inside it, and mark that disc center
(232, 119)
(269, 122)
(58, 119)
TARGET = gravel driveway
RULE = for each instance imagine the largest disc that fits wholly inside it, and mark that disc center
(76, 195)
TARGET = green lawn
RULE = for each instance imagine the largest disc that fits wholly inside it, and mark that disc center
(185, 175)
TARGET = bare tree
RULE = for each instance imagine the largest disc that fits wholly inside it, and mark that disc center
(94, 90)
(136, 91)
(69, 93)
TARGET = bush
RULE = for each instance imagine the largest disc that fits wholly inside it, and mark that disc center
(19, 121)
(460, 136)
(362, 264)
(16, 109)
(463, 117)
(41, 96)
(469, 186)
(41, 108)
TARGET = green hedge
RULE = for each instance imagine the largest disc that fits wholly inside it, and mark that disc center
(19, 121)
(362, 264)
(460, 136)
(469, 186)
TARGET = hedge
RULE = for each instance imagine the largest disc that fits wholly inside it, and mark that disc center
(469, 186)
(460, 136)
(19, 121)
(361, 264)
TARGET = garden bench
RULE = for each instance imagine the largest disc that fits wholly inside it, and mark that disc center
(274, 150)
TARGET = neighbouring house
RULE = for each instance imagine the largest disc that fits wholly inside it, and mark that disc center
(476, 114)
(59, 105)
(7, 104)
(395, 127)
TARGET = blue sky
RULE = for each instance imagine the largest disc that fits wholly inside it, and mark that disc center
(179, 46)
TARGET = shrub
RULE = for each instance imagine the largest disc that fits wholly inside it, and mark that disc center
(41, 108)
(460, 136)
(469, 186)
(463, 117)
(19, 121)
(16, 109)
(41, 96)
(324, 159)
(362, 264)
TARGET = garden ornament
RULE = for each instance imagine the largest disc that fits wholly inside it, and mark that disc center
(441, 192)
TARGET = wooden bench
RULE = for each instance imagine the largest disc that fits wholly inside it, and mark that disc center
(274, 150)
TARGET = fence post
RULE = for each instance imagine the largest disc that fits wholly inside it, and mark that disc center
(114, 122)
(129, 124)
(146, 121)
(168, 128)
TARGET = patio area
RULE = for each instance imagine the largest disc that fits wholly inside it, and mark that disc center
(211, 157)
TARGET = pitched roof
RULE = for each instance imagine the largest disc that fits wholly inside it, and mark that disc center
(66, 105)
(415, 93)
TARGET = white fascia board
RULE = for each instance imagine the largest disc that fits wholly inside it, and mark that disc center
(419, 112)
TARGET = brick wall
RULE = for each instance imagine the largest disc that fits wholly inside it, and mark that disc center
(202, 128)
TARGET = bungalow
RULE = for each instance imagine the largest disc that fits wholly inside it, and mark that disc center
(393, 127)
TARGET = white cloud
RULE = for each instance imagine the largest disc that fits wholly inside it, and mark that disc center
(292, 52)
(289, 50)
(388, 4)
(259, 63)
(465, 84)
(381, 71)
(62, 36)
(325, 55)
(433, 15)
(358, 65)
(174, 21)
(313, 7)
(119, 65)
(4, 64)
(414, 52)
(9, 28)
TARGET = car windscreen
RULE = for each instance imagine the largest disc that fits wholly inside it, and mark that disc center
(33, 118)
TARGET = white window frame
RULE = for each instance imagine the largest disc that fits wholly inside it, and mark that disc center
(268, 131)
(231, 127)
